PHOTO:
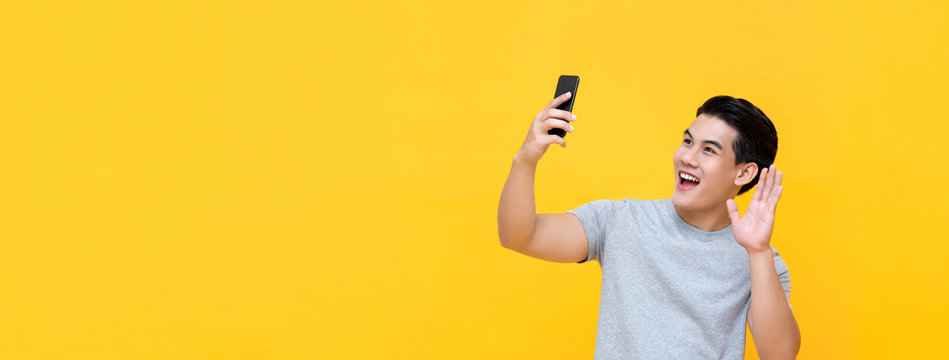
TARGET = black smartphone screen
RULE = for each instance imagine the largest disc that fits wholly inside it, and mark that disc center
(564, 84)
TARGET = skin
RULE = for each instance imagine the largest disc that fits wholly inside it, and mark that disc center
(710, 206)
(720, 178)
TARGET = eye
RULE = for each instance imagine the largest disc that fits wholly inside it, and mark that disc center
(710, 150)
(687, 141)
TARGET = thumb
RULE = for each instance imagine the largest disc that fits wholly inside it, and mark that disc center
(732, 210)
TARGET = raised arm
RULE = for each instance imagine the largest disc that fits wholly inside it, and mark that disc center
(772, 324)
(552, 237)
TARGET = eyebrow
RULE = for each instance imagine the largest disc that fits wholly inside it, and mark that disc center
(713, 142)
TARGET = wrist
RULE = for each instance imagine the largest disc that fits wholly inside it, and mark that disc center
(760, 253)
(520, 159)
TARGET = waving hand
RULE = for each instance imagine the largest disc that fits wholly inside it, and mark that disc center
(753, 230)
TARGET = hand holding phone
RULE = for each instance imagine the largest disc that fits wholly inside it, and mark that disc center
(554, 117)
(566, 83)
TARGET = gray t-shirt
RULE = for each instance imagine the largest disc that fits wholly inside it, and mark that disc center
(670, 290)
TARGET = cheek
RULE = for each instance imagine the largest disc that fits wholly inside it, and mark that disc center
(712, 172)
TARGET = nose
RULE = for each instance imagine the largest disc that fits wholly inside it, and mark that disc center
(689, 157)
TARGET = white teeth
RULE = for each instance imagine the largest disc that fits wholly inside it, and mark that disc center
(689, 177)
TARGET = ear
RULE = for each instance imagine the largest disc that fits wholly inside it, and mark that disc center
(746, 173)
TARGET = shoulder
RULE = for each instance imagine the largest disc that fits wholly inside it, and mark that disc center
(645, 203)
(657, 207)
(635, 207)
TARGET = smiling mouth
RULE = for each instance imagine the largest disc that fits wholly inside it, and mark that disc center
(686, 184)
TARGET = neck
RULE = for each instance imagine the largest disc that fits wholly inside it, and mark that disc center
(712, 219)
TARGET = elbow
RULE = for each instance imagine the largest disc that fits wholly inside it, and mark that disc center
(785, 357)
(504, 236)
(792, 347)
(796, 341)
(782, 356)
(791, 355)
(788, 353)
(796, 348)
(505, 241)
(508, 243)
(512, 240)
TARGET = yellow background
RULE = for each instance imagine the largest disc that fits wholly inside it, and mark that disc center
(210, 180)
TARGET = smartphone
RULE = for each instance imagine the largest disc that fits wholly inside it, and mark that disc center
(564, 84)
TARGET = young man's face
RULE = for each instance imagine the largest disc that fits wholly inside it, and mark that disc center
(706, 153)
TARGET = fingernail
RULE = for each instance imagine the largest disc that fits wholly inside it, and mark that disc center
(566, 93)
(571, 128)
(573, 116)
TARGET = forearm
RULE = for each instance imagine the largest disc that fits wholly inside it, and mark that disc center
(516, 212)
(774, 328)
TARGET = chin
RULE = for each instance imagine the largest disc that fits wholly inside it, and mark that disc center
(690, 200)
(682, 201)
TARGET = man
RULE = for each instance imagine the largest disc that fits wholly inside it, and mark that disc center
(681, 276)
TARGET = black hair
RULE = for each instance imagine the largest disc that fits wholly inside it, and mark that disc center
(757, 140)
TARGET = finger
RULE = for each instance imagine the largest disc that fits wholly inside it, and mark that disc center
(763, 182)
(768, 185)
(551, 123)
(776, 197)
(559, 100)
(773, 199)
(550, 139)
(561, 114)
(732, 210)
(761, 179)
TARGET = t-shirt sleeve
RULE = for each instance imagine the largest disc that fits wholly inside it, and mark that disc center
(596, 217)
(783, 274)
